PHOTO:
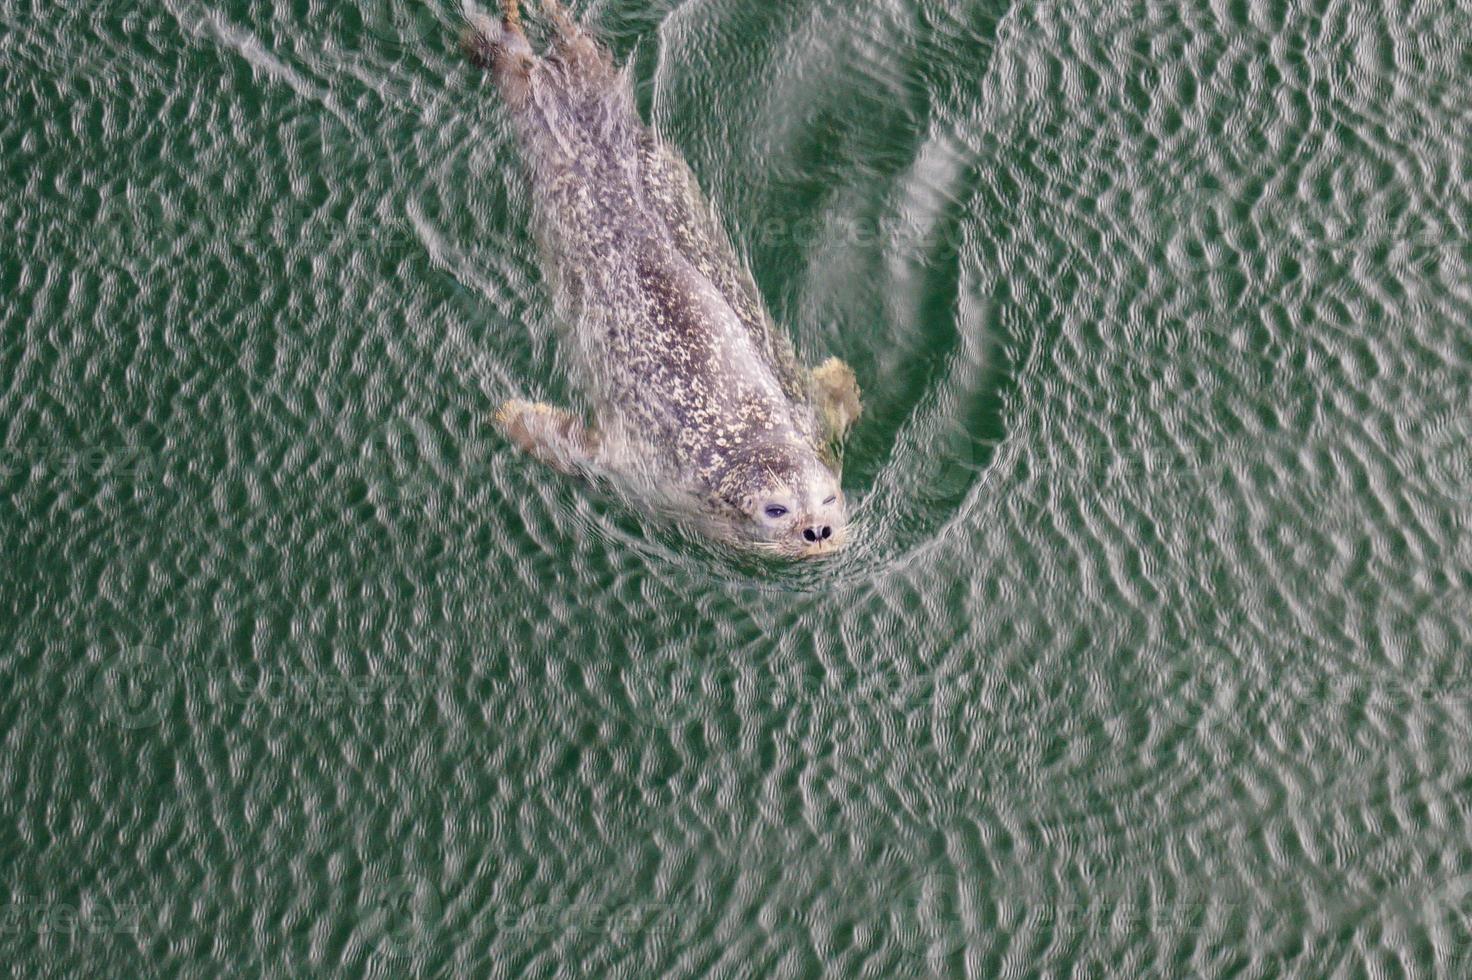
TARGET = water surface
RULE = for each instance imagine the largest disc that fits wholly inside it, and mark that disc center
(1150, 657)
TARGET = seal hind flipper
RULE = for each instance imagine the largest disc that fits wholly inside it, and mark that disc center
(836, 388)
(502, 48)
(569, 31)
(574, 47)
(553, 435)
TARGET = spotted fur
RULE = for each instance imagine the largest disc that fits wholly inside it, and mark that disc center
(689, 378)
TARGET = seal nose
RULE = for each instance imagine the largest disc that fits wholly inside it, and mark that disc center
(817, 533)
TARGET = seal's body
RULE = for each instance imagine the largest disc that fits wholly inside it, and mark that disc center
(692, 385)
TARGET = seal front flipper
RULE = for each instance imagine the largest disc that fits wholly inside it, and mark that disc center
(553, 435)
(836, 389)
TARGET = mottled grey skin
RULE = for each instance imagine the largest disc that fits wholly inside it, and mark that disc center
(694, 389)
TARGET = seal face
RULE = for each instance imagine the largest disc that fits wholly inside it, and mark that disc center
(695, 392)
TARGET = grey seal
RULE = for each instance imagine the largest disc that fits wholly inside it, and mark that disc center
(695, 394)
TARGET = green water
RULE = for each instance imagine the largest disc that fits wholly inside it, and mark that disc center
(1150, 658)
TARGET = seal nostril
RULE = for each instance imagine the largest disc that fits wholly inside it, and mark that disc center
(809, 534)
(826, 533)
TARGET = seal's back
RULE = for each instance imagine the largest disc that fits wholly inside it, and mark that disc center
(670, 337)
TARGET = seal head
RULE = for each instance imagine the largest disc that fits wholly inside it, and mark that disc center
(782, 499)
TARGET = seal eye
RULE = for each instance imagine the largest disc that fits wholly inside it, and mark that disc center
(776, 510)
(831, 499)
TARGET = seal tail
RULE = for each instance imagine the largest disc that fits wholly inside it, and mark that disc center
(501, 47)
(574, 46)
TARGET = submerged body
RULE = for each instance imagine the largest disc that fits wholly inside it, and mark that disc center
(693, 388)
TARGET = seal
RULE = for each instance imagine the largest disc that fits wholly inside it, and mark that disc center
(696, 396)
